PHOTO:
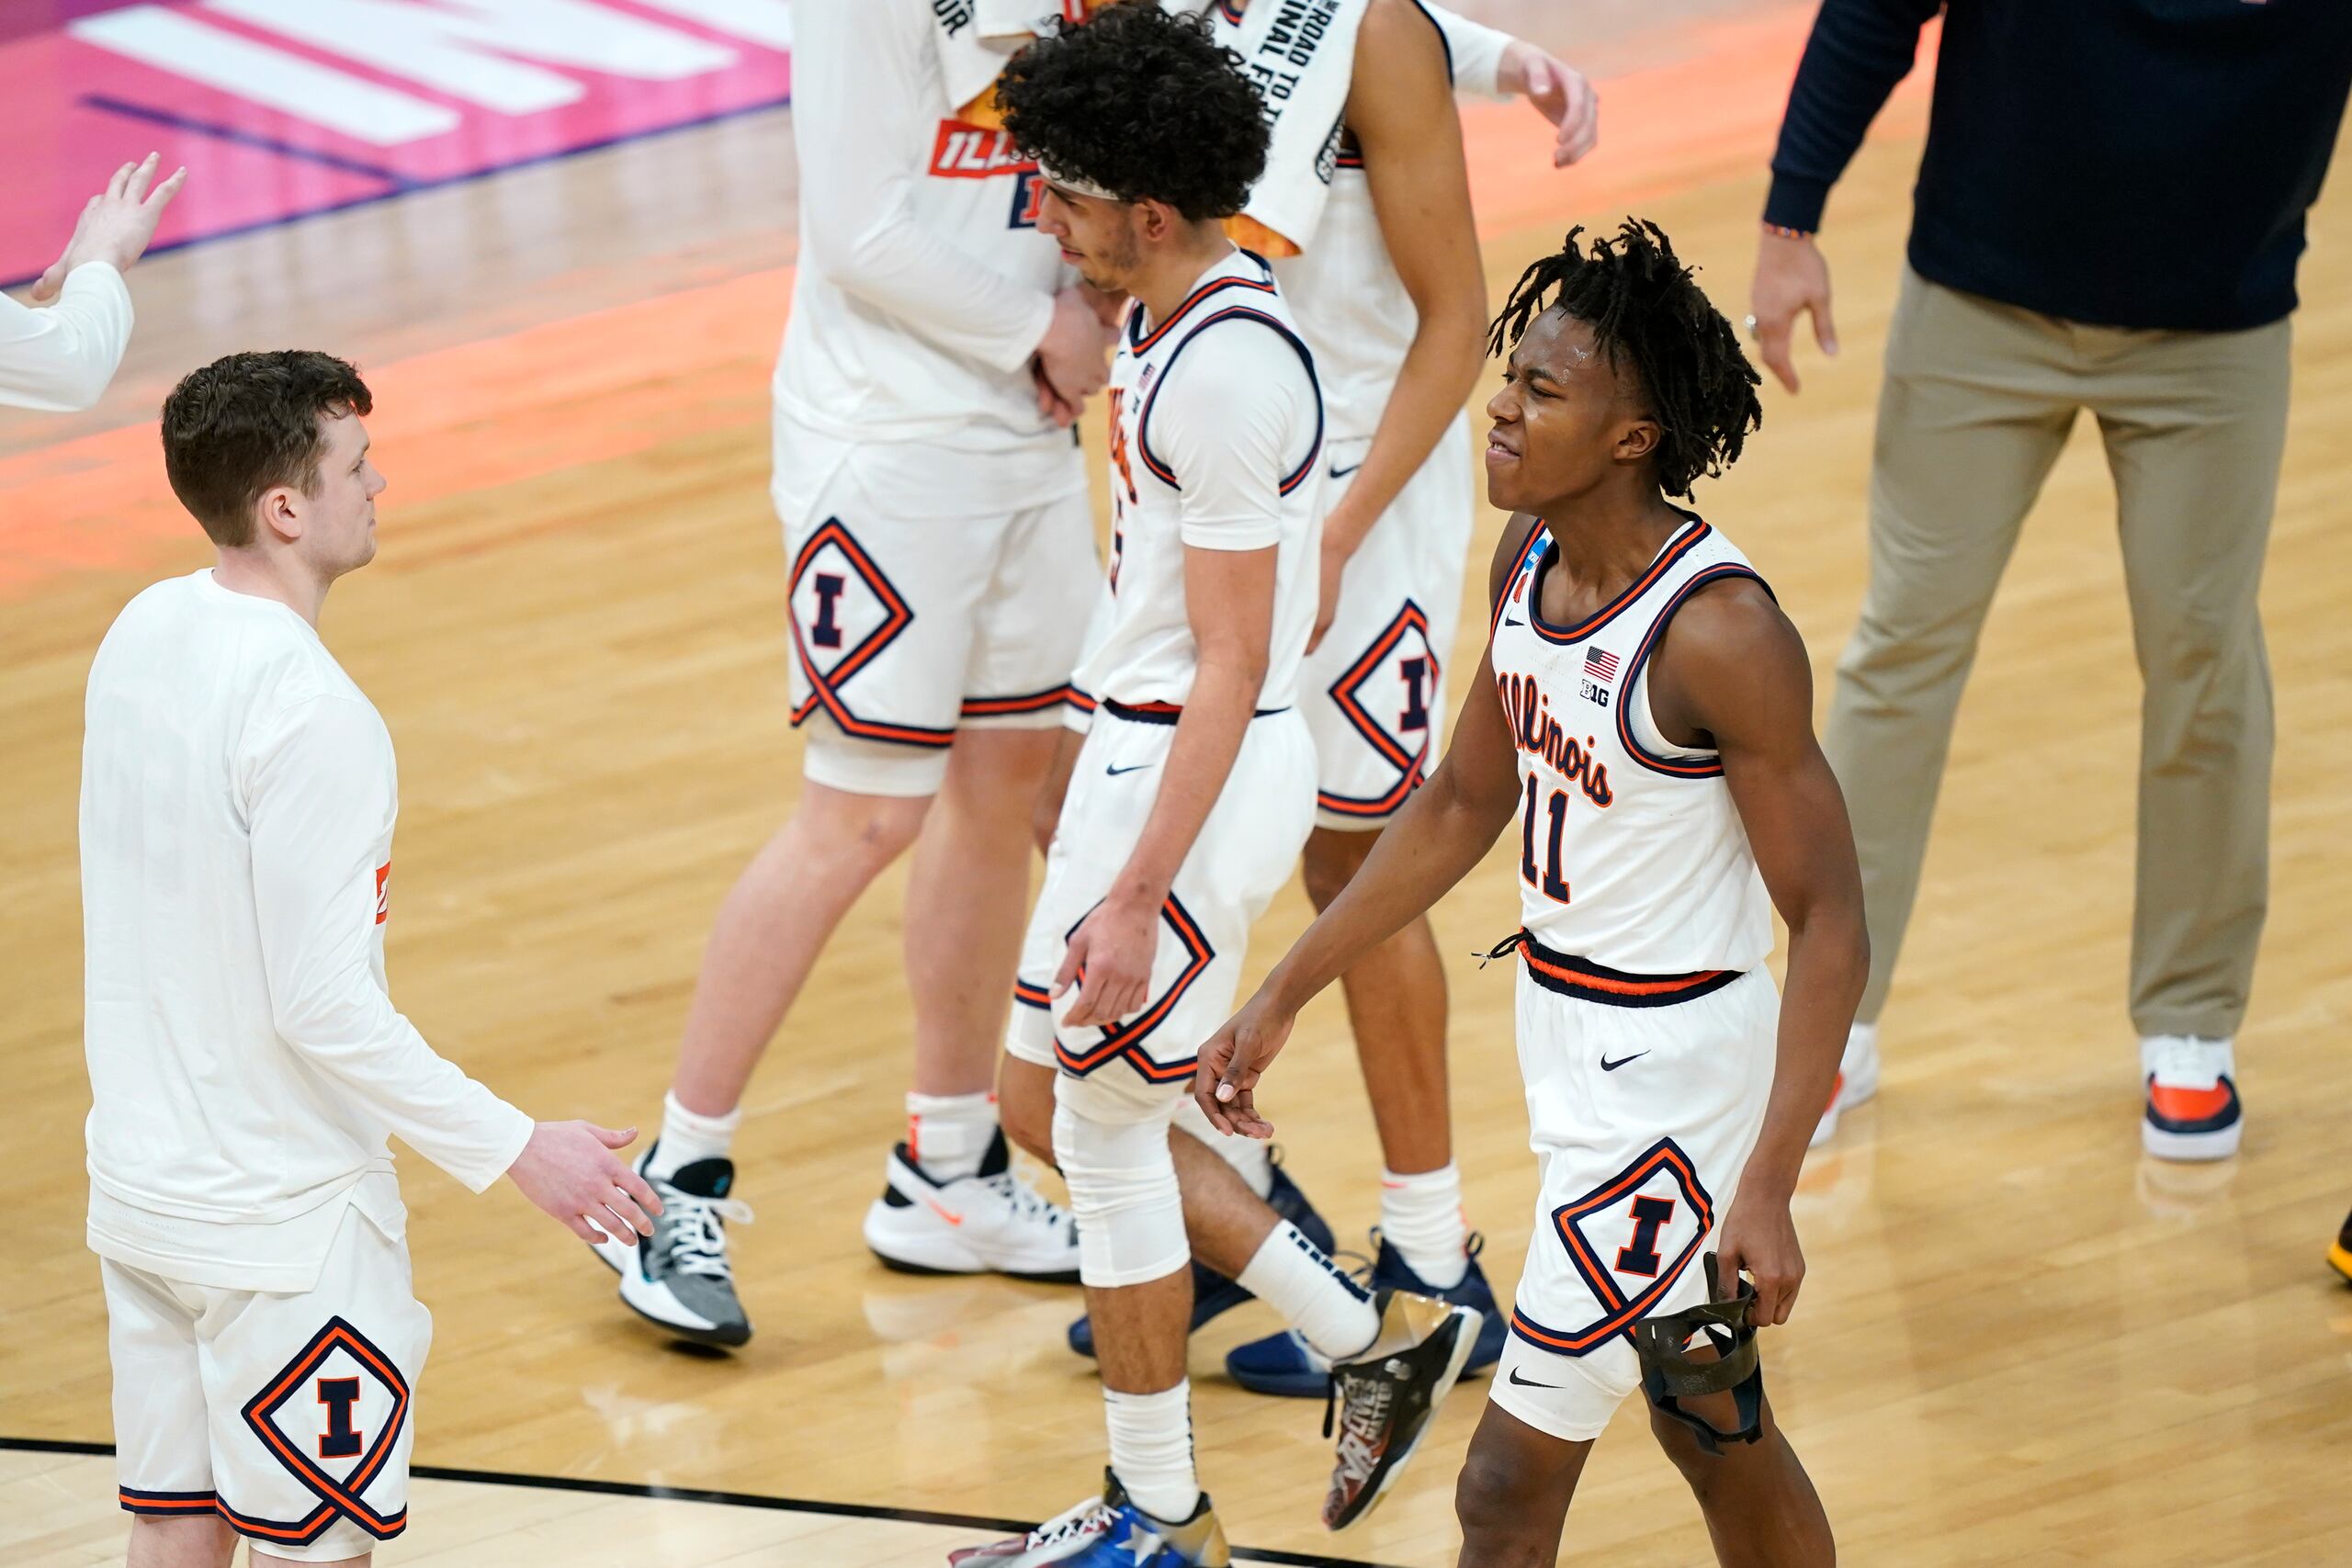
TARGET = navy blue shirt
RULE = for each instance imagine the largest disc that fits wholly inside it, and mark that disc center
(2120, 163)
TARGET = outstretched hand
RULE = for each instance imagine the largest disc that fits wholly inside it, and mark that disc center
(115, 226)
(1233, 1061)
(1560, 93)
(568, 1169)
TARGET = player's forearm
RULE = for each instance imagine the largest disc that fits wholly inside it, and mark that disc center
(377, 1056)
(60, 360)
(1829, 962)
(1439, 372)
(1208, 738)
(1423, 853)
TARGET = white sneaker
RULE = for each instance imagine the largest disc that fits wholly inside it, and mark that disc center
(993, 1222)
(2193, 1111)
(1857, 1079)
(679, 1277)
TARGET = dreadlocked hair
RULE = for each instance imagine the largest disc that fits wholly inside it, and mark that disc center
(1646, 310)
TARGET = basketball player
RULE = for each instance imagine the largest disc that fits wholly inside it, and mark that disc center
(1643, 715)
(238, 794)
(1391, 298)
(942, 553)
(1195, 789)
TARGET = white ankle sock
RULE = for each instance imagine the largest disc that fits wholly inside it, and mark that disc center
(1151, 1449)
(948, 1135)
(688, 1135)
(1253, 1158)
(1291, 1275)
(1420, 1216)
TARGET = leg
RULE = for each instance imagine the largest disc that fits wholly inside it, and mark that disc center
(203, 1541)
(1973, 413)
(1514, 1494)
(1111, 1138)
(972, 865)
(1225, 1223)
(1760, 1507)
(2194, 424)
(261, 1559)
(776, 919)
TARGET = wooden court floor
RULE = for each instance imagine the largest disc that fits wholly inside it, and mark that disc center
(2019, 1344)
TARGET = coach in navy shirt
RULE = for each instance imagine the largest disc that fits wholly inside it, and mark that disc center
(2108, 215)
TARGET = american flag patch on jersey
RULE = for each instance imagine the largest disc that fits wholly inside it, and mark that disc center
(1601, 665)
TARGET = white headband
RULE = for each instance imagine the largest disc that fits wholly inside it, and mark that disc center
(1072, 183)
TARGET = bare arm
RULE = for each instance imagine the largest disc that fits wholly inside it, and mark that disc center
(1401, 109)
(1229, 601)
(1443, 830)
(1731, 669)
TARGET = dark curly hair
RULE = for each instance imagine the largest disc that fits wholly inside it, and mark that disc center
(248, 423)
(1143, 103)
(1648, 311)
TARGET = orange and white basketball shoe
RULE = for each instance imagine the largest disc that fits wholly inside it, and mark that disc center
(1857, 1079)
(2192, 1096)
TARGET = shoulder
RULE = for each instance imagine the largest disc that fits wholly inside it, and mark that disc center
(1733, 656)
(1399, 36)
(1237, 359)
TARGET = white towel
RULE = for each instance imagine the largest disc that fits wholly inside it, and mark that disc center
(976, 37)
(1301, 56)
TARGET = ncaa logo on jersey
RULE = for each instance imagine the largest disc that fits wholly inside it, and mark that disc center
(1630, 1239)
(331, 1417)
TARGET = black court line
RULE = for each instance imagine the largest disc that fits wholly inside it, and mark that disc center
(726, 1499)
(398, 186)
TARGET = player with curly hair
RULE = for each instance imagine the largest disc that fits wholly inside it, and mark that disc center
(1643, 716)
(1195, 787)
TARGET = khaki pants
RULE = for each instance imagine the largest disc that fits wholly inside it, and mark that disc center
(1978, 399)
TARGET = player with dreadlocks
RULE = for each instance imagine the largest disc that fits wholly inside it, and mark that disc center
(1644, 717)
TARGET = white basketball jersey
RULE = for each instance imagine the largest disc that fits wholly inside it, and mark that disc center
(1632, 855)
(1254, 479)
(1352, 307)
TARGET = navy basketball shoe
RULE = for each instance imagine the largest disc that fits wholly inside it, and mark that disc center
(1286, 1365)
(1213, 1293)
(2341, 1253)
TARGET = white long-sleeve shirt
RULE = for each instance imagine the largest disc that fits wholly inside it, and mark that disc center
(924, 286)
(60, 358)
(246, 1063)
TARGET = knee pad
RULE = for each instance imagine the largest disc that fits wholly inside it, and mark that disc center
(1671, 1375)
(1123, 1190)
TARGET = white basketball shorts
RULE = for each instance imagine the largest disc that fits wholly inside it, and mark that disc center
(905, 630)
(1642, 1115)
(1244, 854)
(289, 1416)
(1373, 690)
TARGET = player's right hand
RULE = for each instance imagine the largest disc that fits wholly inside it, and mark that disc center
(1233, 1061)
(1792, 279)
(568, 1169)
(1074, 357)
(115, 226)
